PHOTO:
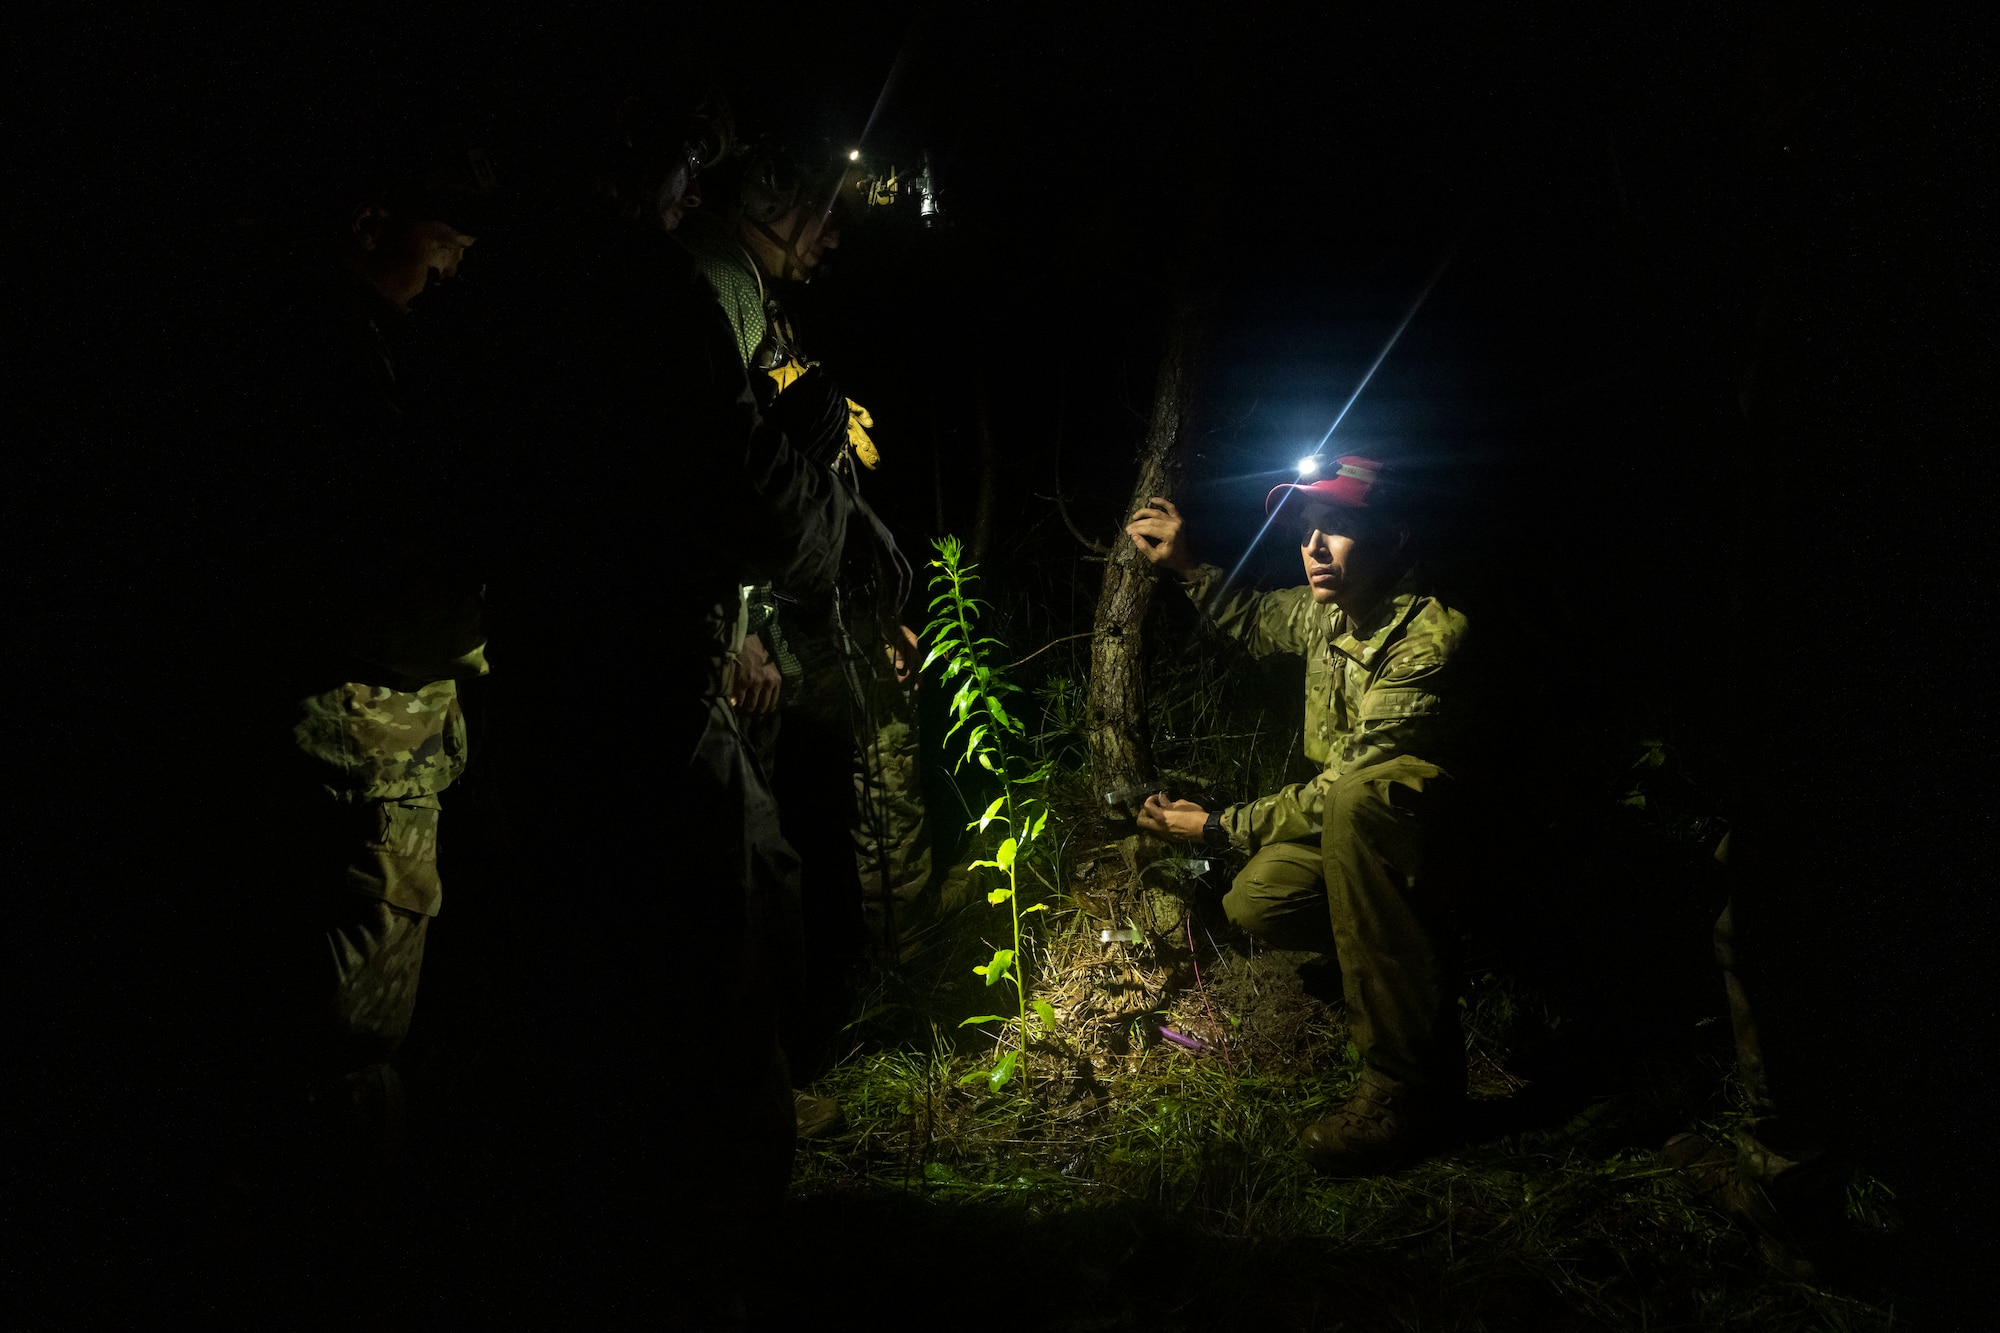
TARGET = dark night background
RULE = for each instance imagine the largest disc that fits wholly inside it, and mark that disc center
(1708, 386)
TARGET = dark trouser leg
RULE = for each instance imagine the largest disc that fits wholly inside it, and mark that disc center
(376, 952)
(815, 758)
(310, 1179)
(728, 1140)
(1390, 923)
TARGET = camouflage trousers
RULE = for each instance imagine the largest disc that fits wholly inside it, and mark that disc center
(892, 845)
(1372, 892)
(327, 991)
(314, 996)
(326, 971)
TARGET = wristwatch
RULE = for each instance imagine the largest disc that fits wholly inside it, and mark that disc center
(1213, 835)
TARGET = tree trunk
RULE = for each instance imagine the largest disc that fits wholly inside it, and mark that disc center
(1119, 735)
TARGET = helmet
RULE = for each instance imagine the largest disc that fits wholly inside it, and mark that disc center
(779, 175)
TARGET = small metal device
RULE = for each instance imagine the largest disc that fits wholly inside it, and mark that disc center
(1130, 795)
(924, 186)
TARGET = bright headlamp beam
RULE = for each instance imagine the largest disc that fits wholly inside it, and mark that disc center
(1373, 366)
(881, 99)
(1390, 346)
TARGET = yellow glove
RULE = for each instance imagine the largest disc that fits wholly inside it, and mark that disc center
(857, 438)
(858, 417)
(783, 375)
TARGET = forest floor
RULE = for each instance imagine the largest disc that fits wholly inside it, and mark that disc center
(1129, 1181)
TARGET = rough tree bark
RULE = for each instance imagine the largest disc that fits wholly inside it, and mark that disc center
(1115, 725)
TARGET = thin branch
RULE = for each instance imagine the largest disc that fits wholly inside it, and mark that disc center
(1045, 647)
(1062, 414)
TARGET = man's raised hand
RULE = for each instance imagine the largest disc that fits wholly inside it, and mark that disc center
(1156, 530)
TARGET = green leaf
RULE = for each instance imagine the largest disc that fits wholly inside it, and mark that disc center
(976, 864)
(993, 971)
(1001, 715)
(973, 1077)
(1005, 856)
(999, 896)
(992, 811)
(1047, 1013)
(1038, 907)
(1035, 827)
(984, 1018)
(986, 762)
(1003, 1072)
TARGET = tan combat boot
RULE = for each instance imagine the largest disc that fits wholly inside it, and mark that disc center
(1385, 1124)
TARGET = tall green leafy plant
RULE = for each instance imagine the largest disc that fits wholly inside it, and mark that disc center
(993, 738)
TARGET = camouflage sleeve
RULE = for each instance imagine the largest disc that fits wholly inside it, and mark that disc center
(1402, 714)
(1289, 815)
(1263, 622)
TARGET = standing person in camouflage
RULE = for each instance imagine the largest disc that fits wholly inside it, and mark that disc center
(1352, 861)
(769, 222)
(344, 610)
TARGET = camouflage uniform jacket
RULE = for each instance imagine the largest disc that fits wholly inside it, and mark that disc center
(1376, 688)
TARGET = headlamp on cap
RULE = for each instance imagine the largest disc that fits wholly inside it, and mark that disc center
(1348, 487)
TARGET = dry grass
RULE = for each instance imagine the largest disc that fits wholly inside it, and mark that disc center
(1128, 1182)
(1554, 1213)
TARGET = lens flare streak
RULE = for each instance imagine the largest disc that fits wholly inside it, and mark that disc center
(1314, 458)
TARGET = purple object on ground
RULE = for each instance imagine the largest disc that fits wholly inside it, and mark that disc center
(1194, 1044)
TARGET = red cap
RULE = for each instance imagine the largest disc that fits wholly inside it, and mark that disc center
(1349, 485)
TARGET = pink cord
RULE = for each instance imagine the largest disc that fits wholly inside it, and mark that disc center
(1202, 986)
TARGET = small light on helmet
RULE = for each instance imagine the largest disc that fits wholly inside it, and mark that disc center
(854, 155)
(1308, 465)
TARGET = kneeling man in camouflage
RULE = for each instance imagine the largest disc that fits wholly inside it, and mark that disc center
(1351, 862)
